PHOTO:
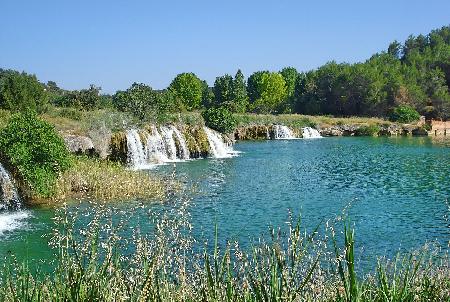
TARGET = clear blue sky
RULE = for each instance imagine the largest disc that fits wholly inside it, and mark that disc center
(115, 43)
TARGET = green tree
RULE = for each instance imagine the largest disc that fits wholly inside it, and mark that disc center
(253, 83)
(290, 76)
(223, 91)
(220, 119)
(21, 91)
(35, 151)
(239, 92)
(142, 101)
(271, 89)
(84, 99)
(189, 89)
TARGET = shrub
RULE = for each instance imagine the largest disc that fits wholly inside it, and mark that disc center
(368, 130)
(405, 114)
(35, 151)
(219, 119)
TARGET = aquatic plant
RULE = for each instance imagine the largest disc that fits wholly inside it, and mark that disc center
(95, 262)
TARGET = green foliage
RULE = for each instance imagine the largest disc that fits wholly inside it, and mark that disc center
(35, 151)
(85, 99)
(405, 114)
(143, 102)
(239, 92)
(231, 93)
(188, 89)
(219, 119)
(368, 130)
(291, 78)
(271, 91)
(21, 91)
(223, 90)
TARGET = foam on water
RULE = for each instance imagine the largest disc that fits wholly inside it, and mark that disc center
(282, 132)
(309, 132)
(217, 146)
(9, 221)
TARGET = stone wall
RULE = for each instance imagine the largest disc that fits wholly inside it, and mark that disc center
(440, 128)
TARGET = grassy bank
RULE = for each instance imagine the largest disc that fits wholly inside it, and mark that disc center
(105, 180)
(296, 120)
(165, 266)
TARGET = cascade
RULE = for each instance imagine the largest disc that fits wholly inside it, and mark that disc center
(282, 132)
(9, 198)
(184, 151)
(217, 147)
(309, 132)
(11, 217)
(137, 154)
(171, 148)
(156, 147)
(165, 144)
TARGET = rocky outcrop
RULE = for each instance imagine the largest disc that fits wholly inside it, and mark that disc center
(79, 144)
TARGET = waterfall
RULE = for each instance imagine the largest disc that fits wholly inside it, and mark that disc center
(171, 147)
(156, 148)
(158, 145)
(137, 155)
(11, 217)
(309, 132)
(184, 151)
(217, 147)
(9, 198)
(282, 132)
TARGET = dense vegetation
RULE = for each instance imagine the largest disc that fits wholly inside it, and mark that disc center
(36, 151)
(166, 265)
(402, 83)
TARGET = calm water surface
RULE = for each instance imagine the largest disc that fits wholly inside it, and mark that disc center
(395, 190)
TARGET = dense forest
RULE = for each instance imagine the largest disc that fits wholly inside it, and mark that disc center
(411, 78)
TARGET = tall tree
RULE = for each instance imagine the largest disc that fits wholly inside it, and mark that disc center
(223, 90)
(189, 89)
(239, 92)
(271, 88)
(290, 76)
(20, 91)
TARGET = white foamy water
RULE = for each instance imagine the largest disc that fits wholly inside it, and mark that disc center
(217, 147)
(137, 156)
(10, 221)
(309, 132)
(166, 144)
(282, 132)
(9, 198)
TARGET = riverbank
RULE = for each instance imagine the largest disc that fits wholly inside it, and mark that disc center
(114, 141)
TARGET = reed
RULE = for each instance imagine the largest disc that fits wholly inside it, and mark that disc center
(95, 263)
(106, 180)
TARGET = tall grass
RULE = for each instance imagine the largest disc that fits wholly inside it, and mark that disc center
(95, 262)
(105, 180)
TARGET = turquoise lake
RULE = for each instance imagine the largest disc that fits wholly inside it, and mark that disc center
(395, 192)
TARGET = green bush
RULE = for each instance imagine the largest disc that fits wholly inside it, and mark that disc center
(35, 151)
(219, 119)
(369, 130)
(405, 114)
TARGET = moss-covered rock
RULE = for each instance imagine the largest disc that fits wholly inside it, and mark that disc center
(118, 147)
(196, 141)
(253, 132)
